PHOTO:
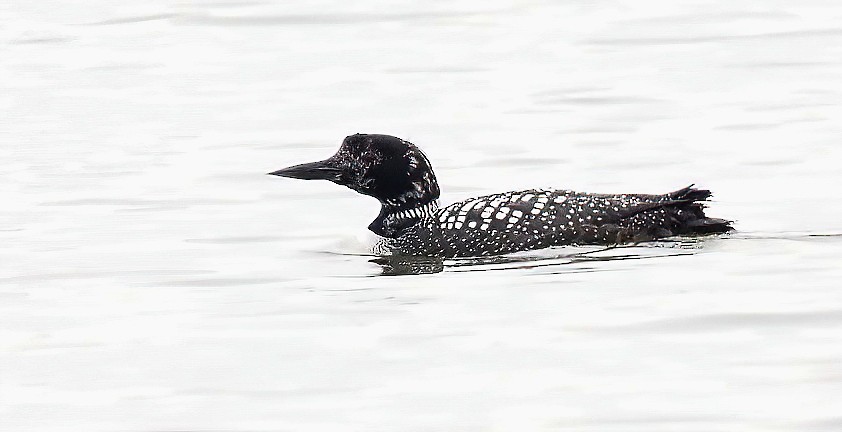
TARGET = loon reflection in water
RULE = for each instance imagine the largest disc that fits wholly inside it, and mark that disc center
(411, 222)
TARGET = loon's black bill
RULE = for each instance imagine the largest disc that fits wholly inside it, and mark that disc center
(320, 170)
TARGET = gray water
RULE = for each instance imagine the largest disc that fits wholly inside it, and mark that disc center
(152, 278)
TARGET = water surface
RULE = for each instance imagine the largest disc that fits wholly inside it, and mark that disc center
(153, 278)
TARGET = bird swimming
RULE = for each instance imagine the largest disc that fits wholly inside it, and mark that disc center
(411, 222)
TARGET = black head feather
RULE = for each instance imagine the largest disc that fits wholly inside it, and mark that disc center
(388, 168)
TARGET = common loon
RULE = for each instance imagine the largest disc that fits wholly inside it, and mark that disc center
(411, 222)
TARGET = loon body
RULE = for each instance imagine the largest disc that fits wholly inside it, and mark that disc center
(411, 222)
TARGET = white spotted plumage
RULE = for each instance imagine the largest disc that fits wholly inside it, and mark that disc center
(531, 219)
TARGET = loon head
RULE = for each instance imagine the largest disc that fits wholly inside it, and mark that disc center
(388, 168)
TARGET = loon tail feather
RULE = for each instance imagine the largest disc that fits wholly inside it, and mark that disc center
(690, 194)
(684, 213)
(695, 221)
(709, 225)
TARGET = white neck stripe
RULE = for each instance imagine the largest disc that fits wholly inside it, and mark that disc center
(418, 212)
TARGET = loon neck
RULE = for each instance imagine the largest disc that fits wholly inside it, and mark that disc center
(391, 221)
(416, 212)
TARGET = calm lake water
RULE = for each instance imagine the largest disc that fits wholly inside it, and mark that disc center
(153, 278)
